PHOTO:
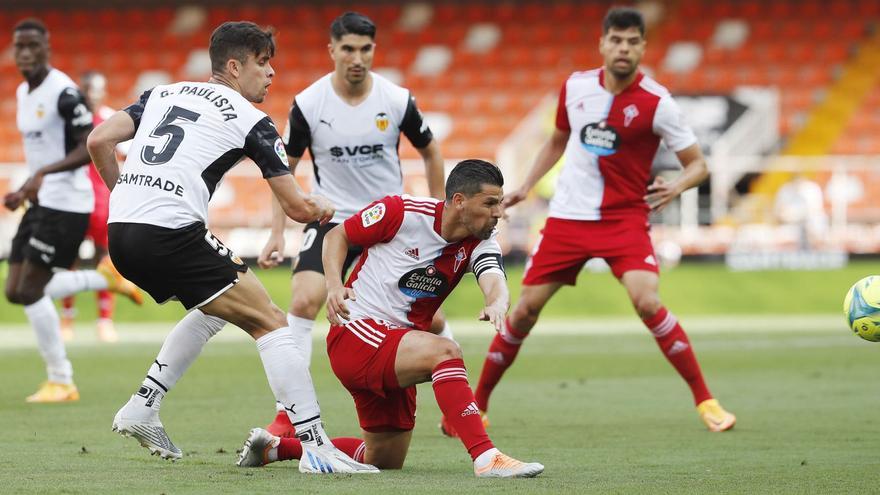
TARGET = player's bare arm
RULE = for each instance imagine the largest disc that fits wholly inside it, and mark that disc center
(102, 143)
(497, 298)
(77, 157)
(273, 252)
(297, 205)
(549, 154)
(335, 247)
(661, 193)
(433, 168)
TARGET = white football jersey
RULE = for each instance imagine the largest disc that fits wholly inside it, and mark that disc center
(354, 148)
(50, 117)
(407, 269)
(189, 134)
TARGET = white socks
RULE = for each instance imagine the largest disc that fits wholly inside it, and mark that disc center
(181, 348)
(302, 333)
(447, 331)
(47, 327)
(301, 329)
(291, 383)
(70, 282)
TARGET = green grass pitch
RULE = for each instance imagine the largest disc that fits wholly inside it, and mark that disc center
(590, 397)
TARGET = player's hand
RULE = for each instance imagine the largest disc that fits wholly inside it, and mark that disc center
(32, 187)
(13, 200)
(272, 253)
(515, 197)
(337, 311)
(326, 208)
(660, 194)
(494, 315)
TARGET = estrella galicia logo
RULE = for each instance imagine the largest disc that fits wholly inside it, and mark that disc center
(423, 282)
(600, 139)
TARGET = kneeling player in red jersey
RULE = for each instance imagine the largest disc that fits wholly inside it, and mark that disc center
(416, 250)
(609, 124)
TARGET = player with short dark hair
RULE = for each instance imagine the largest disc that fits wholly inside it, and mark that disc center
(187, 135)
(54, 121)
(351, 121)
(609, 124)
(416, 252)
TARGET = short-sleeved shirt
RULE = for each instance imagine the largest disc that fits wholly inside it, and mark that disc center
(407, 269)
(188, 135)
(51, 118)
(612, 143)
(354, 148)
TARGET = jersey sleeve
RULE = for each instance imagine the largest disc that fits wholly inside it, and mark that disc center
(73, 110)
(378, 222)
(297, 135)
(263, 145)
(136, 109)
(670, 126)
(486, 258)
(414, 126)
(562, 112)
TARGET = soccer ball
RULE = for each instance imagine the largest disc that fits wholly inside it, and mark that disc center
(861, 307)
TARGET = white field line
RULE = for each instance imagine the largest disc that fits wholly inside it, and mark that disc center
(19, 335)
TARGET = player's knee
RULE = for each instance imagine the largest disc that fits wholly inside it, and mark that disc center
(13, 296)
(29, 294)
(305, 305)
(525, 315)
(647, 305)
(446, 350)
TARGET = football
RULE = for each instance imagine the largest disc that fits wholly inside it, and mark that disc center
(861, 307)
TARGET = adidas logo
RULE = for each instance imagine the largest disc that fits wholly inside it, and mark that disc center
(496, 357)
(677, 346)
(412, 253)
(471, 409)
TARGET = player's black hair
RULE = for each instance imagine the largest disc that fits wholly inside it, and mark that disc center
(238, 40)
(469, 176)
(352, 23)
(31, 23)
(623, 18)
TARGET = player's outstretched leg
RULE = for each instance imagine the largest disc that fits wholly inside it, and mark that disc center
(675, 345)
(139, 417)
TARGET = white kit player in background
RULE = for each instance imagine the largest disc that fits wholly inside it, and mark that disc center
(186, 137)
(351, 121)
(54, 121)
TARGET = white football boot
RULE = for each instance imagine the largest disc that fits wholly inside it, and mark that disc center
(255, 452)
(142, 423)
(504, 466)
(327, 459)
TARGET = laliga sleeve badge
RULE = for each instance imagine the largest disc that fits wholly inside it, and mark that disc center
(373, 215)
(280, 151)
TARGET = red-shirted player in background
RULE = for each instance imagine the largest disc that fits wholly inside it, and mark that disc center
(94, 87)
(609, 123)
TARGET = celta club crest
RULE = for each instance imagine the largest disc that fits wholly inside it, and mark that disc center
(460, 256)
(629, 113)
(382, 121)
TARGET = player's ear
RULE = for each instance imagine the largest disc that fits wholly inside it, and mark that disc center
(233, 67)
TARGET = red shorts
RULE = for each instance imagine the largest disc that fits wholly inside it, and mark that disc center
(362, 355)
(565, 245)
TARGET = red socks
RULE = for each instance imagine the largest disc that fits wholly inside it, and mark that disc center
(456, 401)
(105, 304)
(676, 347)
(502, 352)
(291, 448)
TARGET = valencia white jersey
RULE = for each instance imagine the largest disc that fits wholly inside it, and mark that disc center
(407, 269)
(611, 145)
(354, 148)
(51, 118)
(188, 135)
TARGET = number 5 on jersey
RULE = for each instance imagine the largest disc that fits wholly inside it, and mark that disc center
(149, 155)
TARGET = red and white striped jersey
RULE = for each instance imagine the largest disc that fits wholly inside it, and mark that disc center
(407, 269)
(611, 145)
